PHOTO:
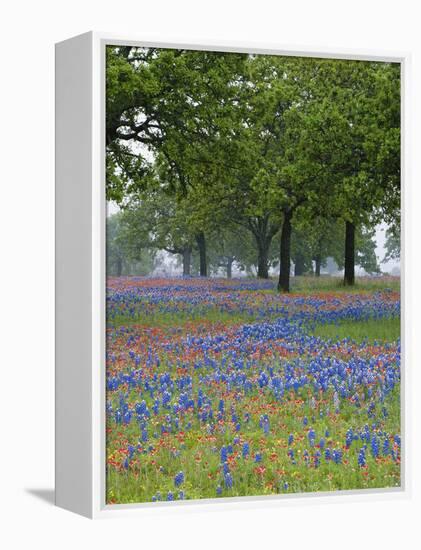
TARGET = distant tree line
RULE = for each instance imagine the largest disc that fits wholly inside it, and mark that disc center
(251, 161)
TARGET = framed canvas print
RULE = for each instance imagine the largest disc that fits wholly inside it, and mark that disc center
(228, 251)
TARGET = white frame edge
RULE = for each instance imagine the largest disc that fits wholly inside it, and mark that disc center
(80, 278)
(73, 385)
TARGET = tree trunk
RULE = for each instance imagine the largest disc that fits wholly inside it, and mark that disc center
(263, 232)
(186, 261)
(285, 253)
(318, 261)
(262, 259)
(119, 267)
(349, 277)
(299, 265)
(229, 267)
(201, 244)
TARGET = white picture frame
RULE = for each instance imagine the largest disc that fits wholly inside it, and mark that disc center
(80, 274)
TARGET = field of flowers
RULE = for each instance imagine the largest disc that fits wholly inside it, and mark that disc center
(219, 388)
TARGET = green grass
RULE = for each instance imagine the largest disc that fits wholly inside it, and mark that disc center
(384, 330)
(158, 319)
(200, 461)
(327, 283)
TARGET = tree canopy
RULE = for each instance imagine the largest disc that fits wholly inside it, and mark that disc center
(223, 157)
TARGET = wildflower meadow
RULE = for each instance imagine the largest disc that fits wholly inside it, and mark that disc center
(220, 388)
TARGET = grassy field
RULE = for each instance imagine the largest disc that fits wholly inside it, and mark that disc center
(222, 388)
(305, 284)
(386, 330)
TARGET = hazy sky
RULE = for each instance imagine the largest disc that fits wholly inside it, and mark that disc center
(380, 250)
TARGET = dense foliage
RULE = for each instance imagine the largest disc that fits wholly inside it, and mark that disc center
(240, 150)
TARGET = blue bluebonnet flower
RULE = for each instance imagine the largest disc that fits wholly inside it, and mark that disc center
(228, 480)
(365, 435)
(170, 495)
(370, 410)
(246, 449)
(337, 456)
(219, 490)
(141, 408)
(361, 457)
(179, 479)
(224, 454)
(264, 423)
(258, 457)
(291, 456)
(349, 438)
(127, 417)
(166, 399)
(221, 406)
(311, 436)
(375, 450)
(290, 439)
